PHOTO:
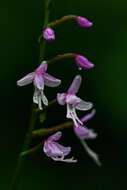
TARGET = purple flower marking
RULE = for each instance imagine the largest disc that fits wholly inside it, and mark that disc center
(83, 22)
(39, 78)
(83, 133)
(56, 151)
(49, 34)
(73, 102)
(83, 62)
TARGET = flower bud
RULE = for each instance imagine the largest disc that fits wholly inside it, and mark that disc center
(49, 34)
(83, 62)
(83, 22)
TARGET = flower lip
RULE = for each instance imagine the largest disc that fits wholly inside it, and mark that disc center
(56, 151)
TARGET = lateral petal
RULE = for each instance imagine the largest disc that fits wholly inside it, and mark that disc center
(26, 80)
(82, 105)
(51, 81)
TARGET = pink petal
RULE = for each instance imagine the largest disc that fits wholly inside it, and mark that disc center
(88, 116)
(82, 105)
(61, 98)
(42, 68)
(39, 82)
(26, 80)
(54, 149)
(72, 100)
(75, 85)
(64, 150)
(51, 81)
(56, 136)
(84, 133)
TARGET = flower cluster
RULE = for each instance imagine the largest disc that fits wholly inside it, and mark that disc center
(40, 78)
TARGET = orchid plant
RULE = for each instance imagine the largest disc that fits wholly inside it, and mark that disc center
(40, 78)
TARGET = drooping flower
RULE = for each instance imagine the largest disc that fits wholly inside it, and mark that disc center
(56, 151)
(49, 34)
(73, 102)
(83, 133)
(83, 22)
(39, 78)
(83, 63)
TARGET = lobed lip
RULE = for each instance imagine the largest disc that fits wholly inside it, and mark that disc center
(55, 150)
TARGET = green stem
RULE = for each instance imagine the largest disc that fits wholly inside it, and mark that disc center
(27, 141)
(48, 131)
(44, 132)
(16, 177)
(60, 57)
(32, 150)
(62, 19)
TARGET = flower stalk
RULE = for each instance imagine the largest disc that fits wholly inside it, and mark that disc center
(44, 132)
(63, 19)
(47, 131)
(60, 57)
(32, 150)
(16, 177)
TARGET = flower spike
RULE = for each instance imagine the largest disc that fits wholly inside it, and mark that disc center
(39, 78)
(56, 151)
(73, 102)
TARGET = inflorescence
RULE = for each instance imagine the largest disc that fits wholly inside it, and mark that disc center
(40, 78)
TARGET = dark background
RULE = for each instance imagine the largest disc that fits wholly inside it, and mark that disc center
(105, 44)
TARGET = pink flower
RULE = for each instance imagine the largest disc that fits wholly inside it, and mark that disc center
(73, 102)
(83, 133)
(83, 62)
(56, 151)
(49, 34)
(39, 78)
(83, 22)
